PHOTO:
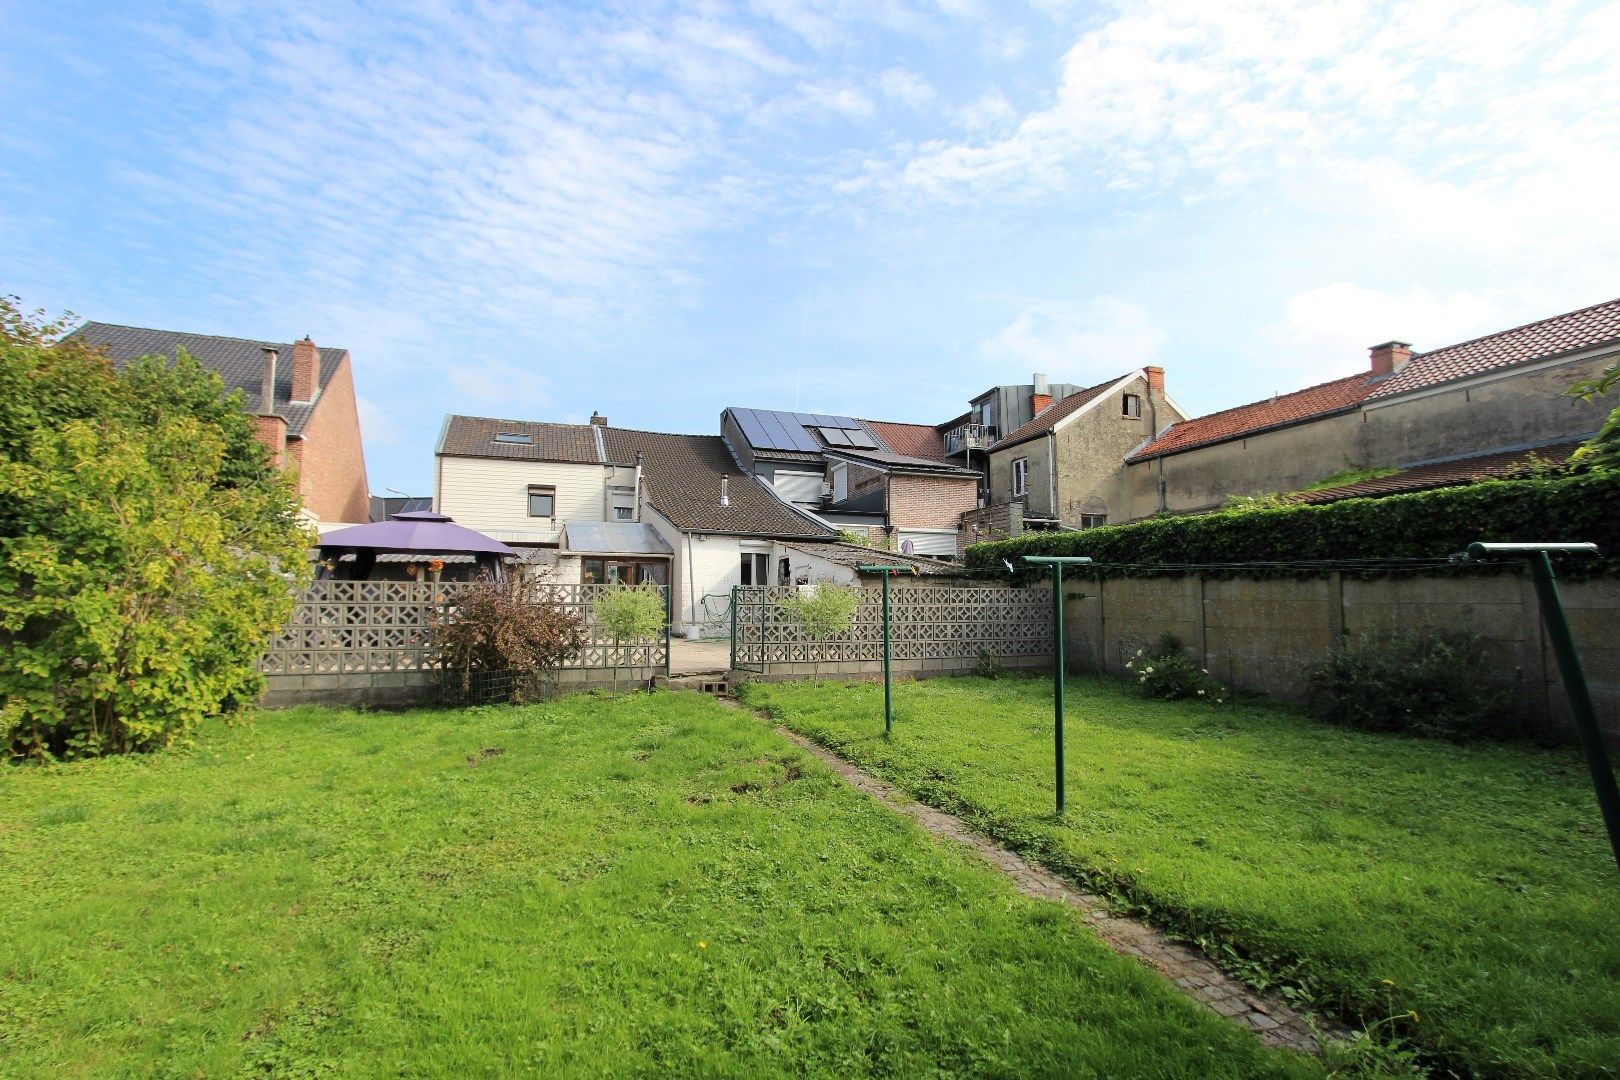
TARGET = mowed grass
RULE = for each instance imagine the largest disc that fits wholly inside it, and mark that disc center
(1475, 879)
(650, 885)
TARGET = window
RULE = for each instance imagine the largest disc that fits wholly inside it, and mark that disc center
(1020, 476)
(624, 571)
(1131, 405)
(756, 569)
(1091, 521)
(623, 513)
(513, 437)
(542, 500)
(784, 571)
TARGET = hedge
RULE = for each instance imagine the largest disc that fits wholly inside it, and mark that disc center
(1432, 524)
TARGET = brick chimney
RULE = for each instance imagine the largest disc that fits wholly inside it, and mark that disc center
(1040, 399)
(1390, 357)
(272, 432)
(598, 420)
(306, 367)
(1155, 379)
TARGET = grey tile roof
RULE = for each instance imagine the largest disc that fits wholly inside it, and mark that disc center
(474, 436)
(853, 556)
(682, 474)
(900, 462)
(239, 361)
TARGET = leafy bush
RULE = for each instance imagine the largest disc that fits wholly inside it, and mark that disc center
(632, 613)
(1169, 674)
(822, 611)
(496, 630)
(148, 549)
(1424, 682)
(1426, 524)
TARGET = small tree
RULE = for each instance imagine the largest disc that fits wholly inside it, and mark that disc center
(496, 630)
(1604, 447)
(148, 550)
(821, 612)
(632, 613)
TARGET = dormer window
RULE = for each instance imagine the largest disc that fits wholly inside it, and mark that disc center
(513, 437)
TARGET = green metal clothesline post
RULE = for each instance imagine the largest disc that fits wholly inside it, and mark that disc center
(1539, 557)
(1057, 563)
(888, 673)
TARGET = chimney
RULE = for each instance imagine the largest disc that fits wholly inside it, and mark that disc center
(638, 485)
(1040, 398)
(596, 420)
(1390, 357)
(1155, 379)
(725, 490)
(306, 370)
(267, 390)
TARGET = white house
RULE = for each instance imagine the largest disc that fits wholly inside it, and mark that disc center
(589, 502)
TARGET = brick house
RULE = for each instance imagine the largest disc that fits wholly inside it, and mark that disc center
(1478, 408)
(301, 398)
(891, 483)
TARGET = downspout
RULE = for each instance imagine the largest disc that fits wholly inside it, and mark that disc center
(1051, 476)
(1153, 419)
(691, 587)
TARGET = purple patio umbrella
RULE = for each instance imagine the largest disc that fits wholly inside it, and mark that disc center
(418, 531)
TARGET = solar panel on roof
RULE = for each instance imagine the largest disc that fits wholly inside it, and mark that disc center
(860, 438)
(835, 436)
(776, 433)
(748, 421)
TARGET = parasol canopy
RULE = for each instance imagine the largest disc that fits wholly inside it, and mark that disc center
(416, 531)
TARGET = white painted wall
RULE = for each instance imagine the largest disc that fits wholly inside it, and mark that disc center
(486, 493)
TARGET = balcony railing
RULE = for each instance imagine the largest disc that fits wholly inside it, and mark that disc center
(969, 437)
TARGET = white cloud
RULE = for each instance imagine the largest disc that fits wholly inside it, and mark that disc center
(906, 87)
(1083, 342)
(1327, 331)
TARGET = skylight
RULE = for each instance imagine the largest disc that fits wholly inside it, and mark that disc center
(513, 437)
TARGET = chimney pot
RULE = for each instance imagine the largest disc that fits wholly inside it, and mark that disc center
(598, 420)
(1389, 357)
(267, 389)
(725, 490)
(305, 371)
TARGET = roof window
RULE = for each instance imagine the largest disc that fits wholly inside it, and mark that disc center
(513, 437)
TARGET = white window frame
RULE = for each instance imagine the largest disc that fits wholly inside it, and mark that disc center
(1020, 477)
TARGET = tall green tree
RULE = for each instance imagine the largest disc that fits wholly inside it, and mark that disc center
(148, 549)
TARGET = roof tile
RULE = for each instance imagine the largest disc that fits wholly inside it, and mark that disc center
(1570, 332)
(1445, 473)
(1067, 407)
(474, 436)
(239, 361)
(1308, 404)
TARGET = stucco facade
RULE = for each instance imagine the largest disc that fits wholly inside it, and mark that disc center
(1517, 407)
(1075, 472)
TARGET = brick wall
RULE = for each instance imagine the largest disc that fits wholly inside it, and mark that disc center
(272, 432)
(331, 463)
(931, 502)
(990, 523)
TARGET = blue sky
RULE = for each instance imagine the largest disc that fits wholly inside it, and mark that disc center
(878, 208)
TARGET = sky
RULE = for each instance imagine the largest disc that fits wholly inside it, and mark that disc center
(870, 207)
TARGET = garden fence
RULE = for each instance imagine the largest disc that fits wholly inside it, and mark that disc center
(932, 628)
(377, 635)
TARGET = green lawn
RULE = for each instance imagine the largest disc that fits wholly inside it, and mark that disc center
(1475, 879)
(653, 884)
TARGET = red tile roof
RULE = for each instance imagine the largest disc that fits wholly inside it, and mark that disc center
(1444, 473)
(1067, 407)
(1315, 401)
(910, 440)
(1571, 332)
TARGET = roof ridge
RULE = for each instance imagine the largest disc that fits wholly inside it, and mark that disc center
(1516, 329)
(192, 333)
(514, 420)
(1273, 397)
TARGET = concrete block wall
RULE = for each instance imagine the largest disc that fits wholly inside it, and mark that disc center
(867, 670)
(1263, 634)
(401, 689)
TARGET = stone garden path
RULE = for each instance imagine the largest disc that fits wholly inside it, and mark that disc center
(1273, 1021)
